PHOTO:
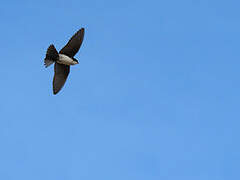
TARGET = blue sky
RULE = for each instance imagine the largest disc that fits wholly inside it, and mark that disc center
(155, 96)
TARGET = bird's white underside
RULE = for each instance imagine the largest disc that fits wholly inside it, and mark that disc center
(63, 59)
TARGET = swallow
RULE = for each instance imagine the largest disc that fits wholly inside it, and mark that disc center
(64, 59)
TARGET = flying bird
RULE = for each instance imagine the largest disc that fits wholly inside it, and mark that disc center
(64, 59)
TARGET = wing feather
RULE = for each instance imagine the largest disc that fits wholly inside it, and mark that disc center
(74, 44)
(61, 72)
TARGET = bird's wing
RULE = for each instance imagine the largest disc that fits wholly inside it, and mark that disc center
(61, 72)
(74, 44)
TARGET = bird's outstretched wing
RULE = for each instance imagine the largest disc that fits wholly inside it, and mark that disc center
(74, 44)
(61, 72)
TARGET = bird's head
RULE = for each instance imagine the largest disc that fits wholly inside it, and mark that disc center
(75, 61)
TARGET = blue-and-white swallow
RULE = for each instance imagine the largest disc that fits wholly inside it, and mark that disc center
(64, 59)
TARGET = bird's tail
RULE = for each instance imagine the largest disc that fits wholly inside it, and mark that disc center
(51, 56)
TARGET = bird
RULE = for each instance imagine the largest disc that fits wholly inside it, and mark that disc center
(64, 59)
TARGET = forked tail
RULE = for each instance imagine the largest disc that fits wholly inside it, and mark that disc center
(51, 56)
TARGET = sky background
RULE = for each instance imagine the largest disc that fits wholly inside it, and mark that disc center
(155, 95)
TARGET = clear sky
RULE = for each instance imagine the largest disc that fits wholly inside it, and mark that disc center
(155, 95)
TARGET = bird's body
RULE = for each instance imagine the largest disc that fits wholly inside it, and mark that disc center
(63, 60)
